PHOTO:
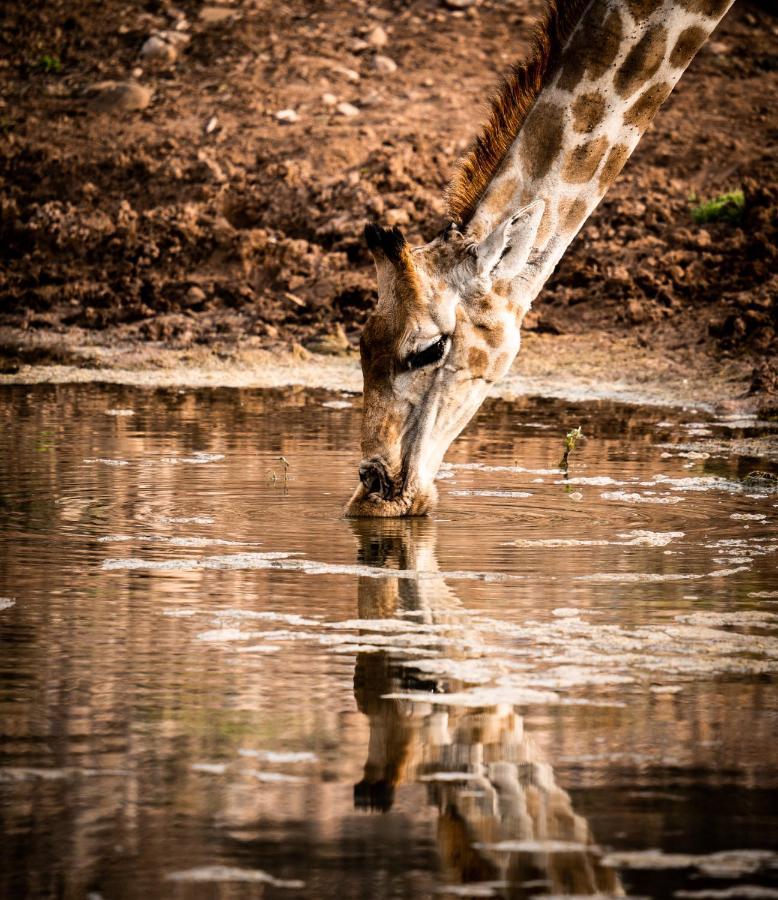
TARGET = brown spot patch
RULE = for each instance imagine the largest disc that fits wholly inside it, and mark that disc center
(582, 161)
(542, 132)
(613, 165)
(502, 287)
(495, 335)
(644, 108)
(571, 214)
(501, 194)
(689, 42)
(477, 361)
(485, 304)
(588, 111)
(513, 102)
(500, 365)
(642, 61)
(712, 8)
(642, 9)
(593, 48)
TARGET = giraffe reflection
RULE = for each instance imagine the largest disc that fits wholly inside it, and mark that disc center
(509, 793)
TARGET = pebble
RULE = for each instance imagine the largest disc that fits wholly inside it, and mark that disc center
(119, 96)
(212, 15)
(396, 217)
(348, 74)
(158, 51)
(384, 64)
(377, 37)
(195, 295)
(287, 116)
(333, 344)
(347, 109)
(460, 4)
(329, 99)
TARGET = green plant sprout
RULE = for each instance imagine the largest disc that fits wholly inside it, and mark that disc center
(724, 208)
(49, 63)
(571, 438)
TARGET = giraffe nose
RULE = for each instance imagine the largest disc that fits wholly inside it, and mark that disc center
(375, 478)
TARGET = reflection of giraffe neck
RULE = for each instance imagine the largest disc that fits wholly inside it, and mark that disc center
(620, 63)
(509, 793)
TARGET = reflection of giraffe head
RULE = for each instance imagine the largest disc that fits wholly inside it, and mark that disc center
(502, 788)
(444, 329)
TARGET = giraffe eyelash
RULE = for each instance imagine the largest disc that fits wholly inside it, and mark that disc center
(429, 355)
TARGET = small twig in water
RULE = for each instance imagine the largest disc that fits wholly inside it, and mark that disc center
(272, 477)
(285, 463)
(571, 438)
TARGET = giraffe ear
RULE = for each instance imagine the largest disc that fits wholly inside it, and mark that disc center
(506, 249)
(384, 243)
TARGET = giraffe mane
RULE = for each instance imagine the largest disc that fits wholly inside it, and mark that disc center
(509, 106)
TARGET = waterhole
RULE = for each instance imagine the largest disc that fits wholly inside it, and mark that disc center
(214, 685)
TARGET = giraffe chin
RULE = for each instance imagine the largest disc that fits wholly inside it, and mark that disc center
(411, 502)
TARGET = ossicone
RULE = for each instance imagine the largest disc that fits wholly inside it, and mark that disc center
(387, 241)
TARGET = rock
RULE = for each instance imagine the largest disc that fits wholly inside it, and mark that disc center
(119, 96)
(329, 99)
(348, 74)
(162, 47)
(334, 344)
(213, 15)
(195, 296)
(157, 51)
(347, 109)
(384, 64)
(621, 275)
(396, 217)
(377, 37)
(287, 116)
(359, 46)
(460, 4)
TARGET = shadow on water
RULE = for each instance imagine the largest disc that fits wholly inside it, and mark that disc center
(505, 827)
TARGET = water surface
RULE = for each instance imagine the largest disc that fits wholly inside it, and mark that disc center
(213, 685)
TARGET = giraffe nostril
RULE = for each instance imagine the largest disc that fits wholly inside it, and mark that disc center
(374, 477)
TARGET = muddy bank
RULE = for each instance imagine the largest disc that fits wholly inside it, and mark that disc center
(572, 367)
(220, 196)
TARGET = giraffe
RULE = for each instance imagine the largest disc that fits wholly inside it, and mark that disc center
(447, 321)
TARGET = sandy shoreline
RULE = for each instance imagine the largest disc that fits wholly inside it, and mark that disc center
(571, 367)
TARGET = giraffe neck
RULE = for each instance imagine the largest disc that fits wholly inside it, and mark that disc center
(620, 64)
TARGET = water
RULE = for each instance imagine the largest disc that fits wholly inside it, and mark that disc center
(213, 685)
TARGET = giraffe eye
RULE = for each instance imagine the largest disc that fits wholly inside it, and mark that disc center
(428, 355)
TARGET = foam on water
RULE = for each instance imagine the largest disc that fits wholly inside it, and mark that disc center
(724, 864)
(173, 541)
(627, 497)
(198, 458)
(202, 874)
(517, 495)
(103, 461)
(187, 520)
(276, 756)
(6, 603)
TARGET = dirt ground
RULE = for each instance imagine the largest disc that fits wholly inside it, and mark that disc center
(225, 210)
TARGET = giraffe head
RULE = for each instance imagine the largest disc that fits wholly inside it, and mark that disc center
(446, 326)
